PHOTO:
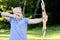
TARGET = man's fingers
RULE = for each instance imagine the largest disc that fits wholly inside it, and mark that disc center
(45, 18)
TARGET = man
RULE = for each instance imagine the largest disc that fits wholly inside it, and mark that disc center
(19, 24)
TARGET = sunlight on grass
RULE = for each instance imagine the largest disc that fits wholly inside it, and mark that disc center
(55, 36)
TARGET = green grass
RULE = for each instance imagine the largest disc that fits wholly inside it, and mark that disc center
(52, 33)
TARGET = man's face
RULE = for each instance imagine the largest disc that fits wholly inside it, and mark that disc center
(17, 12)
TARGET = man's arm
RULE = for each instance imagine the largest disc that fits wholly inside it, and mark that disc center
(7, 18)
(6, 15)
(35, 21)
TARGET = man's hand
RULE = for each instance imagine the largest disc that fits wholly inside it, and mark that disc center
(45, 20)
(4, 15)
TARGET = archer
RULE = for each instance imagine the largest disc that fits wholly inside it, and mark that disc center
(19, 24)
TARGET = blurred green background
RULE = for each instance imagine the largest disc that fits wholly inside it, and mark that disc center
(31, 7)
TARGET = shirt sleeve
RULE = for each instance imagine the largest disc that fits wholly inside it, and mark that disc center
(26, 20)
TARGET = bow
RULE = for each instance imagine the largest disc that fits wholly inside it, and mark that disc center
(44, 15)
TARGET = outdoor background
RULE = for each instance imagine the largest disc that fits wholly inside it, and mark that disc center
(32, 9)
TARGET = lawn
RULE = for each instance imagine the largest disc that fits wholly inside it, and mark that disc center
(52, 33)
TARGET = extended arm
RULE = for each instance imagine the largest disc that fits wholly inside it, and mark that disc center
(35, 21)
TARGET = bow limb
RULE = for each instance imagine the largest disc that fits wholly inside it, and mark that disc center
(44, 15)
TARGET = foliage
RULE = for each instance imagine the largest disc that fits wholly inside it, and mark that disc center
(4, 24)
(52, 9)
